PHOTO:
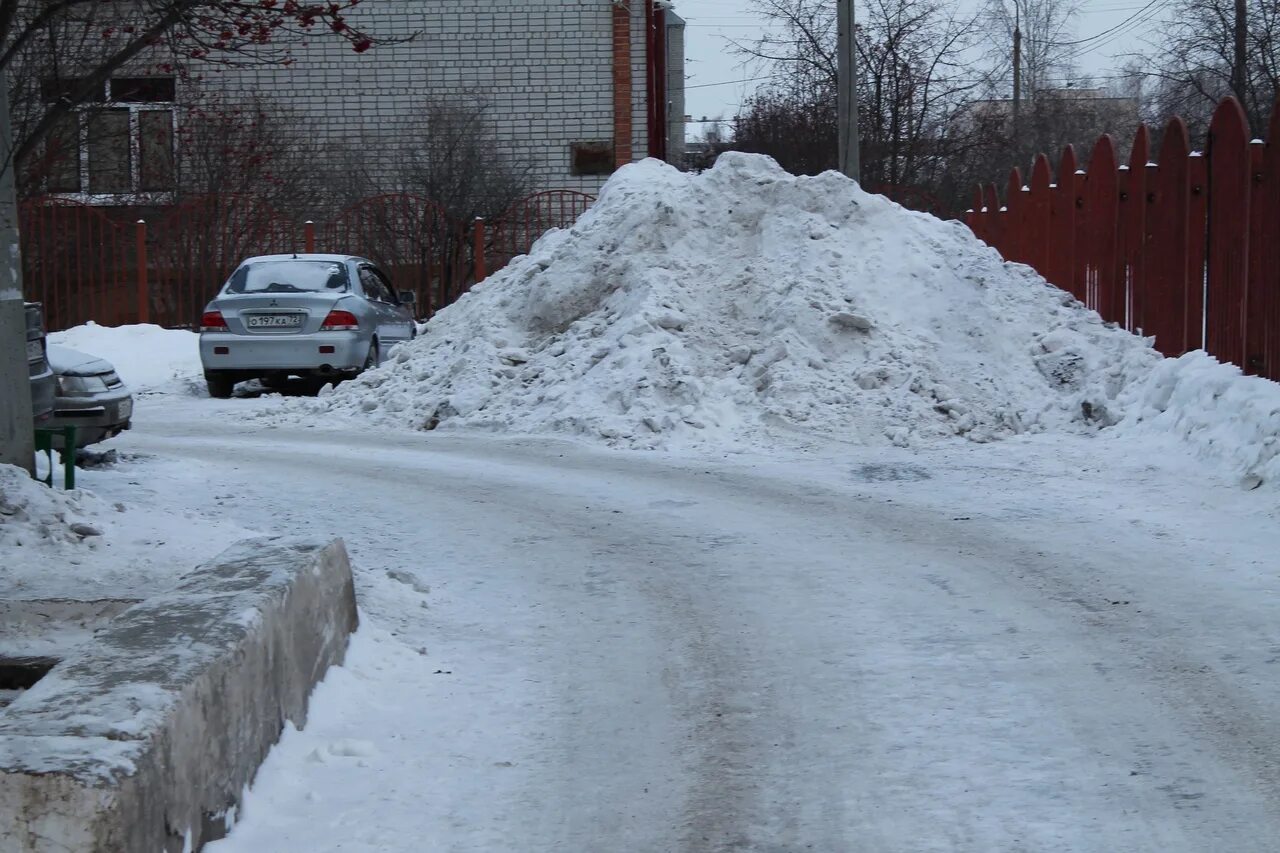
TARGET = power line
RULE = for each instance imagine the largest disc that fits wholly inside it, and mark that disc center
(1126, 22)
(729, 82)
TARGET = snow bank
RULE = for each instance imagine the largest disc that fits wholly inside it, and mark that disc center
(35, 516)
(73, 544)
(150, 359)
(1226, 416)
(742, 303)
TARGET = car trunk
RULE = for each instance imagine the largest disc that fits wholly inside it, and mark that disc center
(275, 313)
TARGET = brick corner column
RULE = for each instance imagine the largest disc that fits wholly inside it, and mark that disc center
(622, 153)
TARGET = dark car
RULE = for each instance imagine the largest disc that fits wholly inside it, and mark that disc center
(91, 397)
(43, 385)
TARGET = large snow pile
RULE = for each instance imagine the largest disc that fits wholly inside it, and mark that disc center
(684, 307)
(744, 305)
(150, 359)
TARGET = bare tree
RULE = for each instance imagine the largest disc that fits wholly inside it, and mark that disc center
(449, 152)
(448, 155)
(1193, 62)
(1048, 46)
(252, 147)
(797, 128)
(914, 76)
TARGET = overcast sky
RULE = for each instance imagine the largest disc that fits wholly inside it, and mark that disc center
(712, 23)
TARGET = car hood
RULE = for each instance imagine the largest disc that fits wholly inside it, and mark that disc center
(69, 362)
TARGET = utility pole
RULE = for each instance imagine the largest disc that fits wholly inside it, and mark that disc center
(17, 440)
(1017, 69)
(1239, 67)
(847, 101)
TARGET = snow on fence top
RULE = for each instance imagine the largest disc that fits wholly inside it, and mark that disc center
(743, 303)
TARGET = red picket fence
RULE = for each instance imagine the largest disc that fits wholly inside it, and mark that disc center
(77, 262)
(84, 266)
(196, 246)
(1185, 250)
(517, 229)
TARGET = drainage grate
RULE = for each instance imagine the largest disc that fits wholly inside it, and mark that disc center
(18, 674)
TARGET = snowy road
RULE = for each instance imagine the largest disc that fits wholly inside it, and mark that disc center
(567, 649)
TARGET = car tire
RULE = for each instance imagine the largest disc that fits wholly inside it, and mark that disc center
(220, 384)
(374, 358)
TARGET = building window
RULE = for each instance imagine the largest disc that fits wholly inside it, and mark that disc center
(110, 147)
(591, 158)
(116, 144)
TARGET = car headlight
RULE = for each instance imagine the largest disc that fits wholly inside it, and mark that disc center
(80, 386)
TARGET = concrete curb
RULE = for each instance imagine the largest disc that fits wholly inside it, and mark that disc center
(144, 739)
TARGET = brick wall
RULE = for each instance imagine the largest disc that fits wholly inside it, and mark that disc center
(546, 67)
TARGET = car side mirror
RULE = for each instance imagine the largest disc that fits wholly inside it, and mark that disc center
(408, 297)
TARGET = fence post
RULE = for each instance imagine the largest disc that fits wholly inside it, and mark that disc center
(1101, 220)
(973, 217)
(1257, 295)
(1270, 283)
(309, 236)
(1015, 214)
(1035, 246)
(144, 286)
(1197, 242)
(995, 219)
(1133, 214)
(1226, 302)
(477, 235)
(1062, 224)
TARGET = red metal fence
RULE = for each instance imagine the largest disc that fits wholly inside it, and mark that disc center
(84, 266)
(1186, 249)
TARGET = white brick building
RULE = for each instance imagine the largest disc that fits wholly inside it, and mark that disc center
(574, 89)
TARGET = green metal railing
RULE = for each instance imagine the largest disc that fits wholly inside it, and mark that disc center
(67, 454)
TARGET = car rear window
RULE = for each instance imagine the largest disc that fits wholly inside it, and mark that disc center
(289, 277)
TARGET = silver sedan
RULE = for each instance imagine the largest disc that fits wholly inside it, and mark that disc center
(321, 317)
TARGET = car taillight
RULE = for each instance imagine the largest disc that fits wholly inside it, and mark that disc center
(340, 321)
(212, 321)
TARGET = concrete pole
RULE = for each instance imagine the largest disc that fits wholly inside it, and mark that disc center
(847, 101)
(1240, 57)
(17, 439)
(1017, 69)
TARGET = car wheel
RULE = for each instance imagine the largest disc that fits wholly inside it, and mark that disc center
(220, 384)
(374, 358)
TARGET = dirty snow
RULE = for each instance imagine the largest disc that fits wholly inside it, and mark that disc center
(744, 307)
(75, 545)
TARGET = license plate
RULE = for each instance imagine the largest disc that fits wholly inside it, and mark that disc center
(35, 352)
(273, 321)
(126, 410)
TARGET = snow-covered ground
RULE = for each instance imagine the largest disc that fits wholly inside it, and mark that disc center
(1051, 643)
(752, 513)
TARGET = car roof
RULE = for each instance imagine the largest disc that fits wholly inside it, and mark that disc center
(303, 256)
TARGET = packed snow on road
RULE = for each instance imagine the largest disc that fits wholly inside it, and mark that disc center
(752, 512)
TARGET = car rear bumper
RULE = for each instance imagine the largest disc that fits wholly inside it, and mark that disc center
(95, 418)
(288, 353)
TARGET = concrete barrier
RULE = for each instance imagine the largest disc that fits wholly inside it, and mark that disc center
(143, 740)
